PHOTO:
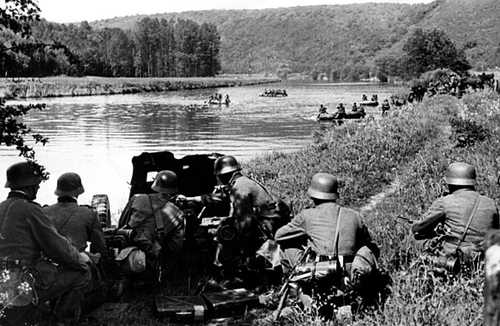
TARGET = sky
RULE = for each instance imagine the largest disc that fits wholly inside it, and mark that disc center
(66, 11)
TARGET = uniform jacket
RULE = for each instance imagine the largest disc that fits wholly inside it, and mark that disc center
(78, 223)
(318, 224)
(242, 191)
(26, 232)
(142, 220)
(453, 212)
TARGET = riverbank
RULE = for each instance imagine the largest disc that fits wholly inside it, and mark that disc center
(87, 86)
(404, 158)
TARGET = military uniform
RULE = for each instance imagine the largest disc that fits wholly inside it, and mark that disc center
(453, 212)
(26, 235)
(147, 211)
(319, 225)
(78, 223)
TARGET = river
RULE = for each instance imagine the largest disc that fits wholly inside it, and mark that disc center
(96, 136)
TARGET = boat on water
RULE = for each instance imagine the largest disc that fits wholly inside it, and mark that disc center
(274, 93)
(339, 117)
(368, 103)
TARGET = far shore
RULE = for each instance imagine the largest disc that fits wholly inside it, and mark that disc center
(12, 88)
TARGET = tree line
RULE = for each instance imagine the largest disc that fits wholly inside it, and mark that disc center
(155, 48)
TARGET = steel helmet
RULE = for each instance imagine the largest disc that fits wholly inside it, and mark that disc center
(165, 182)
(323, 186)
(226, 164)
(22, 174)
(460, 174)
(69, 184)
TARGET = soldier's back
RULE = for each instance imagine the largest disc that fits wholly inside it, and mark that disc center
(459, 205)
(73, 221)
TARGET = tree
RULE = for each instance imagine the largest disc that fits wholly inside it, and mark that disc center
(429, 50)
(15, 16)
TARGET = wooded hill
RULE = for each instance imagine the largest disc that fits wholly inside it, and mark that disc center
(341, 40)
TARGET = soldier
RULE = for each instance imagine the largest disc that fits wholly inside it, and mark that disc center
(465, 215)
(385, 107)
(322, 109)
(319, 226)
(78, 223)
(158, 223)
(255, 213)
(29, 239)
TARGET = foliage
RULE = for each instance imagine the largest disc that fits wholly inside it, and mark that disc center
(15, 17)
(156, 48)
(432, 49)
(327, 38)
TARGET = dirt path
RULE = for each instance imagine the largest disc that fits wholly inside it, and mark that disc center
(376, 199)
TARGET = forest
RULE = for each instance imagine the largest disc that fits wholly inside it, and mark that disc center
(155, 48)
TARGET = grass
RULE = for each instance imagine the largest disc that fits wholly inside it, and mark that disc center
(82, 86)
(415, 145)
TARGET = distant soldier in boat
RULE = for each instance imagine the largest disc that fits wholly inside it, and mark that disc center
(227, 101)
(340, 111)
(385, 107)
(322, 109)
(355, 107)
(364, 97)
(374, 98)
(457, 223)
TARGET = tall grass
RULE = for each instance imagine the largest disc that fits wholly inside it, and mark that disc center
(82, 86)
(415, 145)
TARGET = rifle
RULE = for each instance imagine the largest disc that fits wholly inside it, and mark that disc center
(286, 286)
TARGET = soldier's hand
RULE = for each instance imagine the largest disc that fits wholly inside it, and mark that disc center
(84, 258)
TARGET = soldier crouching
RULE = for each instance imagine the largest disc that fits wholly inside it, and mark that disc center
(30, 241)
(81, 226)
(333, 233)
(456, 224)
(158, 224)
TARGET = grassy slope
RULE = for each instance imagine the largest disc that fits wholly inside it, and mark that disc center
(419, 167)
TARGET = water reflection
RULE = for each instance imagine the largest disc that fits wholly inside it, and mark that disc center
(97, 136)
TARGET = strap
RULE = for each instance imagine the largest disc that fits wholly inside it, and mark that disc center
(337, 231)
(158, 219)
(473, 212)
(63, 224)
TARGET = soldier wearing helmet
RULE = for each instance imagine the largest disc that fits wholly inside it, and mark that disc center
(463, 206)
(27, 235)
(78, 223)
(319, 227)
(256, 214)
(158, 223)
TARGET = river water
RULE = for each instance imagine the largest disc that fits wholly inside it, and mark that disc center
(97, 136)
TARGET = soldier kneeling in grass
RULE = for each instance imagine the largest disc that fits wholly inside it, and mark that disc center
(338, 239)
(456, 224)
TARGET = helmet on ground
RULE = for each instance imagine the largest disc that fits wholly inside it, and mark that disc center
(22, 174)
(226, 164)
(323, 186)
(460, 174)
(69, 184)
(165, 182)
